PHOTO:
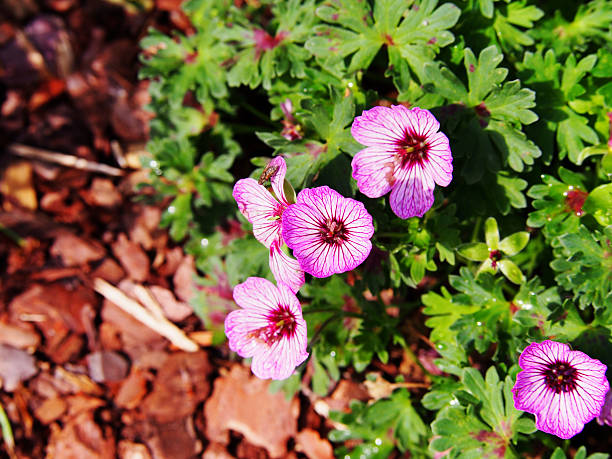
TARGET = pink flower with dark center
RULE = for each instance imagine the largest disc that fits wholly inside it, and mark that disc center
(565, 389)
(327, 232)
(406, 156)
(265, 211)
(269, 327)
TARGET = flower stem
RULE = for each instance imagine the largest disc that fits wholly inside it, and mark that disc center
(390, 234)
(338, 312)
(317, 334)
(476, 230)
(12, 235)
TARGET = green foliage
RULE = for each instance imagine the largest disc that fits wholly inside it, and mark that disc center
(584, 262)
(489, 252)
(493, 113)
(481, 421)
(564, 100)
(381, 426)
(522, 90)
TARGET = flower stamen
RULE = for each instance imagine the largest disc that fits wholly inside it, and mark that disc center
(333, 232)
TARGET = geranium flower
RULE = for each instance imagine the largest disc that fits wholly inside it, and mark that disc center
(269, 327)
(406, 156)
(565, 389)
(327, 232)
(265, 211)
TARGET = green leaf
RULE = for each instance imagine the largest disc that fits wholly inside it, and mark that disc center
(512, 103)
(359, 32)
(491, 234)
(591, 151)
(483, 74)
(514, 145)
(572, 132)
(486, 8)
(584, 263)
(599, 204)
(513, 187)
(475, 251)
(511, 271)
(484, 425)
(513, 244)
(515, 13)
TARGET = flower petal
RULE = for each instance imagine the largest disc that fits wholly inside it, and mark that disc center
(422, 123)
(278, 179)
(378, 126)
(258, 205)
(439, 163)
(373, 169)
(253, 330)
(412, 194)
(285, 269)
(306, 222)
(564, 409)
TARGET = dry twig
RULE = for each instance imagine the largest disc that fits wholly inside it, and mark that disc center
(26, 151)
(160, 325)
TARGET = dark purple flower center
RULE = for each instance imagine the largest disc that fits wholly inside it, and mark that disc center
(413, 150)
(281, 324)
(495, 256)
(560, 377)
(333, 232)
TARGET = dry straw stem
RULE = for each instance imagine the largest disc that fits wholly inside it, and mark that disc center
(156, 323)
(26, 151)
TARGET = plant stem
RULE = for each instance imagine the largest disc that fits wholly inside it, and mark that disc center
(476, 229)
(257, 113)
(332, 310)
(390, 234)
(317, 334)
(7, 433)
(12, 235)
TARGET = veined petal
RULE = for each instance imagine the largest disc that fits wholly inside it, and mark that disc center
(412, 194)
(278, 179)
(327, 232)
(439, 162)
(257, 294)
(373, 169)
(258, 205)
(565, 389)
(285, 269)
(269, 328)
(379, 126)
(422, 122)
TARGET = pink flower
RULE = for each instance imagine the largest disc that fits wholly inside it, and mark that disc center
(265, 211)
(565, 389)
(406, 156)
(327, 232)
(269, 327)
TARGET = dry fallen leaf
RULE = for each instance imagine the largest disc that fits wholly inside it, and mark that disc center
(15, 366)
(81, 438)
(107, 366)
(103, 193)
(180, 385)
(173, 310)
(131, 256)
(17, 186)
(242, 403)
(309, 442)
(75, 250)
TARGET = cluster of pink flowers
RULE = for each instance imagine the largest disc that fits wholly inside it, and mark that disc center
(327, 232)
